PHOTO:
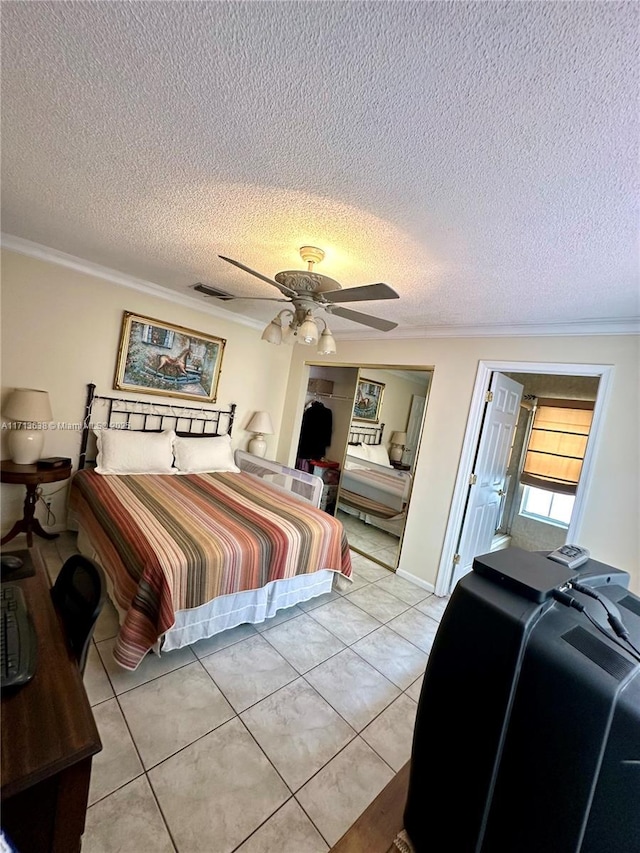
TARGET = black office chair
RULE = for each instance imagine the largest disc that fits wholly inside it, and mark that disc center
(79, 594)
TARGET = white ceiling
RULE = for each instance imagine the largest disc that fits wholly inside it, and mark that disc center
(481, 158)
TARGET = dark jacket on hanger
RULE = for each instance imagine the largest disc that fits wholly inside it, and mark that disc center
(315, 435)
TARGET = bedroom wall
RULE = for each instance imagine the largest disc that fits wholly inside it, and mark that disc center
(61, 329)
(610, 528)
(396, 399)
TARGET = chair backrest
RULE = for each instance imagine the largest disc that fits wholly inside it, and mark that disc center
(79, 594)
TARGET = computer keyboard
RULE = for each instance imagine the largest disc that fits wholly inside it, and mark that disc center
(17, 638)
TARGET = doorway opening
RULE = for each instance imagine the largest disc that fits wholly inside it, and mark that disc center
(505, 495)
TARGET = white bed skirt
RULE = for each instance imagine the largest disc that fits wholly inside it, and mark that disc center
(228, 611)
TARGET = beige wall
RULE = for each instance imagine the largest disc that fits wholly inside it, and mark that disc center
(61, 329)
(610, 527)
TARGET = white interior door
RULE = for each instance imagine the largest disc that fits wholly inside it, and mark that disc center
(488, 479)
(414, 426)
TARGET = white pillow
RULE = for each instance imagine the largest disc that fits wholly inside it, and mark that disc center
(198, 455)
(378, 454)
(360, 451)
(123, 452)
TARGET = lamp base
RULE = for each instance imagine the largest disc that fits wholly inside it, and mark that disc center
(258, 445)
(25, 445)
(395, 453)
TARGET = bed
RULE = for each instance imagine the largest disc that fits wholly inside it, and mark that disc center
(370, 487)
(190, 553)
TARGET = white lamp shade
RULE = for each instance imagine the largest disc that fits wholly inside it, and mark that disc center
(260, 423)
(27, 405)
(398, 438)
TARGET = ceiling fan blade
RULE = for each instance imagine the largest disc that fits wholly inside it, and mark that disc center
(361, 294)
(365, 319)
(286, 290)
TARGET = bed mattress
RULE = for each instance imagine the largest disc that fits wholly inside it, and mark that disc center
(172, 543)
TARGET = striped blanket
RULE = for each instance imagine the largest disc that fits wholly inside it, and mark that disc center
(376, 489)
(174, 542)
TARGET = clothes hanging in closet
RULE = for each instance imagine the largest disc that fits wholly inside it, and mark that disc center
(315, 435)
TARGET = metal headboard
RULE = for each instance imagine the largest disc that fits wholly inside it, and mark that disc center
(143, 416)
(366, 434)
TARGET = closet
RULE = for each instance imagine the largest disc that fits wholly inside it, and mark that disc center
(326, 421)
(355, 412)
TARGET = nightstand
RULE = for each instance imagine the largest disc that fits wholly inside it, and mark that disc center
(30, 476)
(399, 466)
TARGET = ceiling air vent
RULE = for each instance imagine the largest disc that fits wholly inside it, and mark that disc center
(212, 291)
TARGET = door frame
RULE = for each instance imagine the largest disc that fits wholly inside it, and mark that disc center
(603, 372)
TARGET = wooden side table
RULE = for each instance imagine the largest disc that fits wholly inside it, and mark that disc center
(399, 466)
(30, 476)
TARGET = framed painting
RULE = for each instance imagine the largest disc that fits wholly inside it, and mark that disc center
(368, 401)
(160, 358)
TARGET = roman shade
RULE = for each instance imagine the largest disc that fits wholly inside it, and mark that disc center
(557, 445)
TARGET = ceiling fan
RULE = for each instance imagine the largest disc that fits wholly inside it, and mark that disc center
(307, 290)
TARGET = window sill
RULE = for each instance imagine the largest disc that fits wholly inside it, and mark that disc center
(544, 519)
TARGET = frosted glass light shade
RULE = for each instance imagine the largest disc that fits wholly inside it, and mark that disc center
(327, 345)
(273, 332)
(308, 331)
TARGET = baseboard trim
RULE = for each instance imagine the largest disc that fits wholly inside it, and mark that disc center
(423, 584)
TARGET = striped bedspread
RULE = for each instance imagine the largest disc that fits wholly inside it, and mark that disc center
(377, 486)
(174, 542)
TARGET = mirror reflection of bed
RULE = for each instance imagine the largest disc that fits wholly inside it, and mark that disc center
(377, 476)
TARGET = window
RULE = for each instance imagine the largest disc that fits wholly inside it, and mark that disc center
(557, 445)
(547, 506)
(553, 460)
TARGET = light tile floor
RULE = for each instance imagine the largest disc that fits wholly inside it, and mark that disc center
(370, 539)
(269, 737)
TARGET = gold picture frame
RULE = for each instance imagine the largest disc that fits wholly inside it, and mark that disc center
(368, 400)
(155, 357)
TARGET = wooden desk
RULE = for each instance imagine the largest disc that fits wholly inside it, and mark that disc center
(48, 738)
(30, 476)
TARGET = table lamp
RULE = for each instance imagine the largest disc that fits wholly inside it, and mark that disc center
(261, 424)
(29, 410)
(398, 441)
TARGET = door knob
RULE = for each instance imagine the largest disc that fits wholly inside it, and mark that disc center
(501, 493)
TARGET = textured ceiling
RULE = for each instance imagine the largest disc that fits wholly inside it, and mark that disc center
(481, 158)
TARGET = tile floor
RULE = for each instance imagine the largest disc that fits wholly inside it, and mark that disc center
(267, 738)
(370, 539)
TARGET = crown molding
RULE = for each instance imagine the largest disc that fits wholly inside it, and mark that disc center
(609, 326)
(44, 253)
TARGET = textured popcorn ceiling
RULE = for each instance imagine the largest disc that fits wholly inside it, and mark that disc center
(480, 158)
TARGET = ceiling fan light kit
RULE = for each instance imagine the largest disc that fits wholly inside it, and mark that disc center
(308, 331)
(309, 291)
